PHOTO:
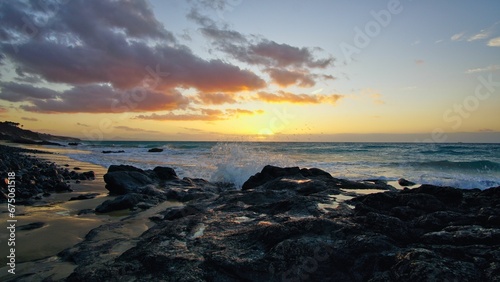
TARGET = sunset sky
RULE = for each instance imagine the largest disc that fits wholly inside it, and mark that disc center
(253, 70)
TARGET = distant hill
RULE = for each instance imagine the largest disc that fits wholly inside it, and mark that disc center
(12, 131)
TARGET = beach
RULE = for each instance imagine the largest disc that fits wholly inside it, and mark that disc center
(280, 224)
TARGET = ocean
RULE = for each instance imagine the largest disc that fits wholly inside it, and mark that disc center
(449, 164)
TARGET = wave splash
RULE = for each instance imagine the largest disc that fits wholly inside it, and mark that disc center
(235, 162)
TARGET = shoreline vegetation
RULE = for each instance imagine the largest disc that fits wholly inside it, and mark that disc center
(285, 224)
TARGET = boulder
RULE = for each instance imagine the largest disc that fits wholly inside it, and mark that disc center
(120, 203)
(113, 152)
(405, 183)
(165, 173)
(123, 182)
(87, 196)
(155, 150)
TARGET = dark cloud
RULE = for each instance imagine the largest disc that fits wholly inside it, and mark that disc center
(286, 78)
(91, 99)
(15, 92)
(29, 119)
(284, 55)
(120, 45)
(255, 50)
(286, 64)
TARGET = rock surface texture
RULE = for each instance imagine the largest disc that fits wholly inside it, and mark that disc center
(291, 224)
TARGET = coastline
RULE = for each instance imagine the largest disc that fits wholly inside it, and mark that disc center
(285, 223)
(62, 225)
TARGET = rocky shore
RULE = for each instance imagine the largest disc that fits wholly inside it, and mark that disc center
(284, 224)
(291, 224)
(35, 178)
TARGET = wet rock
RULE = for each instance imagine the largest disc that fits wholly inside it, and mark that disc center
(85, 211)
(155, 150)
(123, 202)
(404, 182)
(288, 225)
(113, 152)
(165, 173)
(31, 226)
(122, 182)
(84, 197)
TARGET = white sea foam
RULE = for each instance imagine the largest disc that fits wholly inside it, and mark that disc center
(477, 166)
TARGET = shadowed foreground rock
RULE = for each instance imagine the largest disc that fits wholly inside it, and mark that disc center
(290, 225)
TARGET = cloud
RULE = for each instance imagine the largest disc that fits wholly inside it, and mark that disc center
(486, 130)
(287, 97)
(123, 45)
(419, 62)
(286, 78)
(200, 115)
(284, 55)
(3, 110)
(238, 112)
(494, 42)
(216, 98)
(483, 34)
(29, 119)
(133, 129)
(259, 51)
(16, 92)
(490, 68)
(91, 99)
(82, 124)
(458, 36)
(377, 98)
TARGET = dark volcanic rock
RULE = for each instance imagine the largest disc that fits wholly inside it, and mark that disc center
(113, 152)
(31, 226)
(84, 197)
(404, 182)
(165, 173)
(123, 182)
(287, 225)
(34, 177)
(127, 201)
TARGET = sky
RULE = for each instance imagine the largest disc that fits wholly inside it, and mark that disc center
(241, 70)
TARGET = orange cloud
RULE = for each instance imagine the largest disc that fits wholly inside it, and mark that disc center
(201, 115)
(216, 98)
(287, 97)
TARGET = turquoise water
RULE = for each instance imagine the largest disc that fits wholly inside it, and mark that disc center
(459, 165)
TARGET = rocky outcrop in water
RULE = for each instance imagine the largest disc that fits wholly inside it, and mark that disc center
(291, 224)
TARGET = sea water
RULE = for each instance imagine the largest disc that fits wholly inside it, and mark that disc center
(458, 165)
